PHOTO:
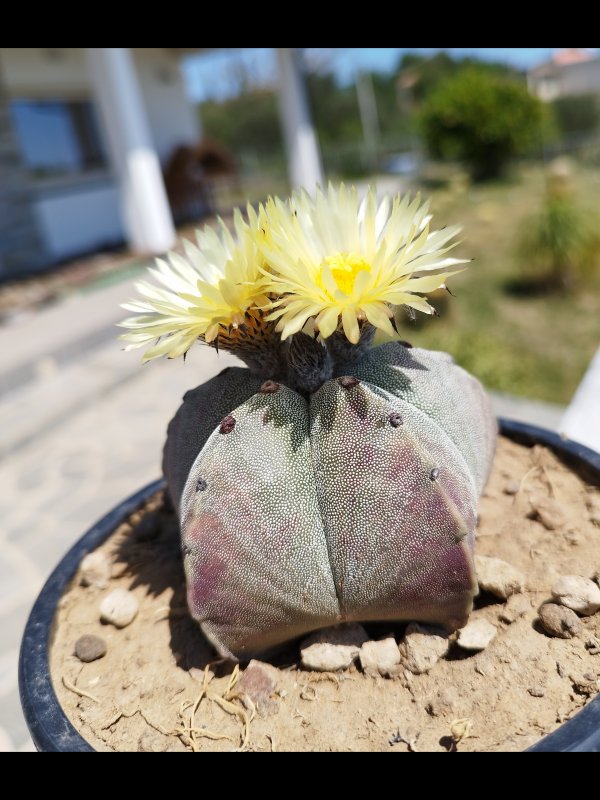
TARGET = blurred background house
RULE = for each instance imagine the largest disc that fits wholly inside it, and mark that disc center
(57, 155)
(85, 134)
(571, 72)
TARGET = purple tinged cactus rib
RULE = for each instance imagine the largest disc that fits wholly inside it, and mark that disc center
(400, 545)
(257, 565)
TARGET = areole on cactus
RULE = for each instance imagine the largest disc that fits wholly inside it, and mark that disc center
(331, 480)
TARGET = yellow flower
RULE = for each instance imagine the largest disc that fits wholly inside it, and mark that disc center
(331, 257)
(207, 295)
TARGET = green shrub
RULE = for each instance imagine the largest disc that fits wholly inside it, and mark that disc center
(483, 119)
(559, 245)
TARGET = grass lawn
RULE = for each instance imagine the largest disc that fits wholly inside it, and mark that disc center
(534, 346)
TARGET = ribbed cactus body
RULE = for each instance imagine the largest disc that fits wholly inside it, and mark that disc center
(356, 502)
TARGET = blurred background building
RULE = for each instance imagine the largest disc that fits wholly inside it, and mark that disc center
(569, 73)
(87, 137)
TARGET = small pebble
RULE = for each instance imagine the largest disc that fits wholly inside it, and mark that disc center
(422, 648)
(119, 608)
(259, 682)
(324, 657)
(536, 691)
(577, 593)
(95, 570)
(516, 607)
(476, 635)
(512, 487)
(549, 512)
(382, 657)
(332, 649)
(559, 621)
(89, 648)
(593, 646)
(498, 577)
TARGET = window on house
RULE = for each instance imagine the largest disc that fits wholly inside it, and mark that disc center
(58, 137)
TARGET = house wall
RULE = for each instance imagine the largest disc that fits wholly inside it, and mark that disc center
(551, 81)
(45, 72)
(173, 120)
(83, 213)
(80, 220)
(581, 78)
(64, 72)
(20, 245)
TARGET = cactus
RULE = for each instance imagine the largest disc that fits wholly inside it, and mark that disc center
(330, 480)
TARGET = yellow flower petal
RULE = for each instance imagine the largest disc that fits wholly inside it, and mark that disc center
(332, 259)
(213, 285)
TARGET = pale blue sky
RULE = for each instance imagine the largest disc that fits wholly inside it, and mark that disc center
(217, 75)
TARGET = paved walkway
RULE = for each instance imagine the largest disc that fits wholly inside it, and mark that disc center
(81, 433)
(82, 427)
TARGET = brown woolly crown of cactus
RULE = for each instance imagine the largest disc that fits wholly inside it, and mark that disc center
(332, 480)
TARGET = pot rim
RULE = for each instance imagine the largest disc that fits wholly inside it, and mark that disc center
(51, 729)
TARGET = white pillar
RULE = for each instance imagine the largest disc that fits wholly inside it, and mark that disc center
(304, 160)
(581, 421)
(145, 208)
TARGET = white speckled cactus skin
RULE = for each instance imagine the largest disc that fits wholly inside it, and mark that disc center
(356, 502)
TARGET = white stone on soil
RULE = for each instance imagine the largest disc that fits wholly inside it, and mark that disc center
(498, 577)
(332, 649)
(577, 593)
(95, 570)
(422, 648)
(119, 608)
(382, 657)
(324, 657)
(476, 635)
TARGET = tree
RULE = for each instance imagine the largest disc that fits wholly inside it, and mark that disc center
(482, 118)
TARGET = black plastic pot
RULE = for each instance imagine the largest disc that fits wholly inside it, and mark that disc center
(48, 724)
